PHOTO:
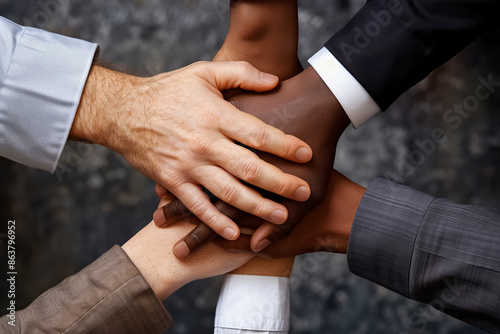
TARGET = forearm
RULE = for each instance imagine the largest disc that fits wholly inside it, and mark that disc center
(151, 251)
(105, 101)
(264, 33)
(42, 76)
(101, 298)
(254, 19)
(431, 250)
(256, 28)
(407, 40)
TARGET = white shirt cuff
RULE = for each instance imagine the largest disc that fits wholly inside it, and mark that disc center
(250, 304)
(40, 94)
(357, 103)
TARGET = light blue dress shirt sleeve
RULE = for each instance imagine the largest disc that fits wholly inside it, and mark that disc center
(42, 76)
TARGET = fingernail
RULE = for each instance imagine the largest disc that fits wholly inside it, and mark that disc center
(269, 78)
(261, 245)
(229, 233)
(278, 217)
(159, 217)
(302, 194)
(181, 250)
(303, 154)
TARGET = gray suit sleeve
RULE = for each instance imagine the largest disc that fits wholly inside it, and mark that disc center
(108, 296)
(42, 76)
(431, 250)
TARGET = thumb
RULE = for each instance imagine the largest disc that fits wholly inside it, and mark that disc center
(240, 74)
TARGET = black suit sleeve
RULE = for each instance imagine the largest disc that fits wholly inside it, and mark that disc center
(390, 45)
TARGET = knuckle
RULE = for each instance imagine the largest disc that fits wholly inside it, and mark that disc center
(200, 235)
(283, 188)
(289, 146)
(213, 222)
(251, 172)
(260, 137)
(198, 64)
(258, 209)
(176, 210)
(211, 113)
(164, 178)
(199, 209)
(195, 239)
(230, 193)
(245, 66)
(201, 145)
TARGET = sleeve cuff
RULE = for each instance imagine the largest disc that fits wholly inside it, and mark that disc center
(108, 296)
(40, 95)
(357, 103)
(384, 232)
(248, 302)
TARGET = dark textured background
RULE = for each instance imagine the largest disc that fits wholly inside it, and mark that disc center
(63, 223)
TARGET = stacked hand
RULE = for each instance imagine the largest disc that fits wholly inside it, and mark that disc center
(177, 129)
(302, 106)
(150, 251)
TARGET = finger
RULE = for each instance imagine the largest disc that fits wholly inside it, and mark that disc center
(171, 213)
(246, 222)
(253, 132)
(202, 234)
(230, 190)
(234, 213)
(171, 210)
(248, 167)
(238, 74)
(240, 245)
(198, 203)
(162, 192)
(266, 234)
(194, 241)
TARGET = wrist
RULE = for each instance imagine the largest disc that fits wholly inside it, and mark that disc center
(254, 31)
(324, 100)
(158, 266)
(105, 95)
(343, 207)
(266, 267)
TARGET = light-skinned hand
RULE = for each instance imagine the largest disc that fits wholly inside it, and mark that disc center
(177, 129)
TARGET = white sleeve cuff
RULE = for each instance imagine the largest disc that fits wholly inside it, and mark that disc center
(253, 303)
(40, 94)
(357, 103)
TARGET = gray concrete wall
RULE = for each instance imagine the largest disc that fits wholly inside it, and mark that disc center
(65, 222)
